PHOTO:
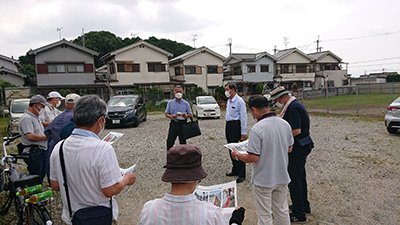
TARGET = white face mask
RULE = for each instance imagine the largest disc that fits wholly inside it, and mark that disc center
(38, 111)
(227, 94)
(280, 105)
(178, 95)
(101, 129)
(58, 104)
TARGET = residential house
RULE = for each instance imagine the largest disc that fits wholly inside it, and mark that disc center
(140, 64)
(201, 66)
(372, 78)
(329, 71)
(65, 65)
(9, 71)
(249, 69)
(294, 69)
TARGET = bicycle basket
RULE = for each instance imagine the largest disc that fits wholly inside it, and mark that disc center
(1, 179)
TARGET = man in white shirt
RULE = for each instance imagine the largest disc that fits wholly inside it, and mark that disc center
(93, 173)
(50, 111)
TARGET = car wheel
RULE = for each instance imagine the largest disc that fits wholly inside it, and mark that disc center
(145, 116)
(137, 121)
(217, 117)
(392, 130)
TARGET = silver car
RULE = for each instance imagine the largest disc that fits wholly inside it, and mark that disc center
(392, 118)
(17, 108)
(206, 106)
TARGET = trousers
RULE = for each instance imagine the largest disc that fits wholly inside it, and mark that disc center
(233, 135)
(298, 186)
(37, 163)
(175, 130)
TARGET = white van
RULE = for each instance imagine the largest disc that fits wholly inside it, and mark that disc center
(17, 108)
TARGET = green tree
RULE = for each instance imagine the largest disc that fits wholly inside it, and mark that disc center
(27, 68)
(393, 77)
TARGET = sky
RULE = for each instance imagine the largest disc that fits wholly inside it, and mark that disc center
(363, 33)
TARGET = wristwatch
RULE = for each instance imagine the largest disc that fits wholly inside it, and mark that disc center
(236, 156)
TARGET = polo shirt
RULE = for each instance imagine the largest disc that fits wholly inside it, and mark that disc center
(29, 123)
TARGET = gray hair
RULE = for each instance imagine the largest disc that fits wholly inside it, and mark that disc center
(88, 110)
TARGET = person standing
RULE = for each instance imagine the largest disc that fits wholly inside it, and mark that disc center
(91, 165)
(178, 110)
(296, 115)
(50, 111)
(235, 129)
(270, 140)
(32, 137)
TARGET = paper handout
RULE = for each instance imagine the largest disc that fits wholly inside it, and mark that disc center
(241, 147)
(128, 170)
(112, 137)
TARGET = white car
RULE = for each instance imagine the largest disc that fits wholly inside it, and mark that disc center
(17, 109)
(206, 106)
(392, 118)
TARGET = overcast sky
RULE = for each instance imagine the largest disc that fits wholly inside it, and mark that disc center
(364, 33)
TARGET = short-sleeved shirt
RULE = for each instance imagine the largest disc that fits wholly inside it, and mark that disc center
(187, 209)
(91, 165)
(270, 138)
(29, 123)
(236, 110)
(174, 106)
(52, 131)
(48, 114)
(67, 129)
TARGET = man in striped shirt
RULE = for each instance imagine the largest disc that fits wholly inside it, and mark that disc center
(180, 206)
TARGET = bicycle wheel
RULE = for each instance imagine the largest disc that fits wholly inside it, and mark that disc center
(36, 216)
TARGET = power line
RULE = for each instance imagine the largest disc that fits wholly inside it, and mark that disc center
(375, 60)
(360, 37)
(376, 64)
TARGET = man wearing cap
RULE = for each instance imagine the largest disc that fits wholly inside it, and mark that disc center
(50, 111)
(180, 206)
(270, 140)
(33, 138)
(52, 131)
(296, 115)
(235, 129)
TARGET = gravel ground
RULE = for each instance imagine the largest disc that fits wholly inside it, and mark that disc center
(353, 172)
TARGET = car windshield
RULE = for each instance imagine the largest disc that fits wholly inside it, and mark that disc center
(121, 102)
(203, 101)
(19, 107)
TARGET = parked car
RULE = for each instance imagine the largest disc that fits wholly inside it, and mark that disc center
(206, 106)
(126, 111)
(392, 118)
(17, 108)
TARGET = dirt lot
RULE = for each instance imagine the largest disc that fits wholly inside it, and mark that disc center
(353, 172)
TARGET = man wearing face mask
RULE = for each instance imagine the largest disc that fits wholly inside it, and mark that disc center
(50, 111)
(235, 129)
(296, 115)
(178, 109)
(33, 140)
(91, 166)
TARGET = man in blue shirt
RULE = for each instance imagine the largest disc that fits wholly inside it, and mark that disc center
(177, 110)
(236, 126)
(53, 129)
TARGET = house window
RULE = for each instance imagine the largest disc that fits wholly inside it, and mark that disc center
(307, 84)
(264, 68)
(56, 68)
(156, 67)
(301, 69)
(251, 69)
(212, 69)
(177, 71)
(237, 70)
(285, 69)
(112, 68)
(190, 70)
(128, 67)
(75, 68)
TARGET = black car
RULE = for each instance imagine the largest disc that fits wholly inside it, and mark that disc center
(126, 111)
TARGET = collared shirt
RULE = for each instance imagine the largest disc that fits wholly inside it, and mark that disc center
(236, 110)
(174, 106)
(48, 114)
(180, 210)
(52, 131)
(29, 123)
(91, 165)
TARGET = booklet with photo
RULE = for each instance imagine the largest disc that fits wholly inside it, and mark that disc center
(241, 147)
(112, 137)
(221, 195)
(128, 170)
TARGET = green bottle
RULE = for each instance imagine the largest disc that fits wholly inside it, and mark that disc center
(30, 190)
(39, 197)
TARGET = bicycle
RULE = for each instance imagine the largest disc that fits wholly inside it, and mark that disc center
(12, 182)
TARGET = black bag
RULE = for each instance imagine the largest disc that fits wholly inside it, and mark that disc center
(305, 141)
(191, 129)
(96, 215)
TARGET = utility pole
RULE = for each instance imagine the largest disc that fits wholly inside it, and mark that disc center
(318, 44)
(275, 50)
(59, 32)
(83, 36)
(194, 40)
(286, 41)
(230, 45)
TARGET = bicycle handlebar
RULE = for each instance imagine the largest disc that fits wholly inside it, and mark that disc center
(11, 139)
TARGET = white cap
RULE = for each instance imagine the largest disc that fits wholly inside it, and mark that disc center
(72, 98)
(55, 94)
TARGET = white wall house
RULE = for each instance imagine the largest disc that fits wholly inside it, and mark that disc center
(139, 64)
(202, 67)
(9, 71)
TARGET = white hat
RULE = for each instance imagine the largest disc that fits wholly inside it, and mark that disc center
(55, 94)
(72, 98)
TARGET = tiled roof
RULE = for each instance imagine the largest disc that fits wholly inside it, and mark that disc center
(10, 59)
(250, 56)
(16, 73)
(281, 54)
(319, 55)
(63, 41)
(194, 52)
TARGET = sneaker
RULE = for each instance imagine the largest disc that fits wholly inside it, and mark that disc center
(294, 219)
(308, 211)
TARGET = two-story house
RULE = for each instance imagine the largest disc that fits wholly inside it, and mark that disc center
(139, 64)
(294, 69)
(65, 65)
(201, 66)
(9, 71)
(329, 71)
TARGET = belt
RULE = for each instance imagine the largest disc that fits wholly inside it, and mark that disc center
(230, 121)
(176, 121)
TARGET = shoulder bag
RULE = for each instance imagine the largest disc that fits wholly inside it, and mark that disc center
(191, 129)
(95, 215)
